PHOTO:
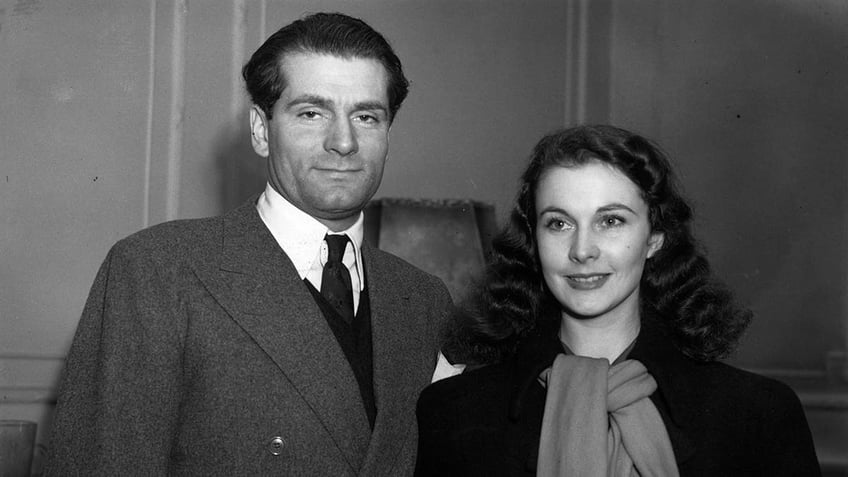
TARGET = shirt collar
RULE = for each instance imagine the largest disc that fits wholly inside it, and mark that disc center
(301, 236)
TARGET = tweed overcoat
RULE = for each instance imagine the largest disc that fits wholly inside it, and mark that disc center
(722, 421)
(200, 351)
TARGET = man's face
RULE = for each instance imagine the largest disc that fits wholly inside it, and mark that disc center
(328, 140)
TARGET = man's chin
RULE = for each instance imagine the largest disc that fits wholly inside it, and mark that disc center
(340, 215)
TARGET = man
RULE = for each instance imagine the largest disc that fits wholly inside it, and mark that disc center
(249, 344)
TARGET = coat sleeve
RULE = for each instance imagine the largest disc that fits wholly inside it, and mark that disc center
(787, 444)
(433, 458)
(443, 310)
(118, 401)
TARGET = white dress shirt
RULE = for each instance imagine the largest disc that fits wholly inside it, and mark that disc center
(301, 236)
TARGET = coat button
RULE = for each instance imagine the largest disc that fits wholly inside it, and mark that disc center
(276, 446)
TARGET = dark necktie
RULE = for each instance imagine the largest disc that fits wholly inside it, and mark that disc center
(335, 280)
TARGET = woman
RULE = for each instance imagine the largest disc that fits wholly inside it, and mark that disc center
(599, 327)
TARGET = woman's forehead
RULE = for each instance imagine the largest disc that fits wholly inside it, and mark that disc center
(590, 185)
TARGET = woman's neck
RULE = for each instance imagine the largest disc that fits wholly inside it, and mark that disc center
(599, 337)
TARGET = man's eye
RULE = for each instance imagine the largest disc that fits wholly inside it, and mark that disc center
(310, 114)
(367, 119)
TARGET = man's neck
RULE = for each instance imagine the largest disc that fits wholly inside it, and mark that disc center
(339, 225)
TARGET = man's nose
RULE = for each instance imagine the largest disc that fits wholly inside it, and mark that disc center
(341, 138)
(584, 246)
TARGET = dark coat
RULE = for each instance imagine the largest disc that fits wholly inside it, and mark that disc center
(200, 351)
(722, 421)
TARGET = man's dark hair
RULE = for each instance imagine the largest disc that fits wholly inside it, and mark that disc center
(323, 33)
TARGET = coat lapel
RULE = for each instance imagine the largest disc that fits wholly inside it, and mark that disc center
(527, 402)
(258, 286)
(675, 396)
(398, 377)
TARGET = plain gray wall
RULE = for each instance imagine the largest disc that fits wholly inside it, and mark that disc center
(751, 100)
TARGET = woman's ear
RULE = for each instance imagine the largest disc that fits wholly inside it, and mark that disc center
(258, 131)
(655, 243)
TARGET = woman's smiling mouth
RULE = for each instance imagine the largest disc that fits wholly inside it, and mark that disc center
(587, 281)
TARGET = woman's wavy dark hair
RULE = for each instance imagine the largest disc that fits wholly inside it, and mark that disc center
(696, 310)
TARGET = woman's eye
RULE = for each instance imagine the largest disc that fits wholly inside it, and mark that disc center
(556, 224)
(611, 221)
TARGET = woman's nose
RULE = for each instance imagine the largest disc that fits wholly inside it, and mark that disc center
(584, 247)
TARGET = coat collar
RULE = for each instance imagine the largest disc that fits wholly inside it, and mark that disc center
(676, 394)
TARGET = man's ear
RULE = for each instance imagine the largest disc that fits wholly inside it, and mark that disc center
(655, 243)
(259, 131)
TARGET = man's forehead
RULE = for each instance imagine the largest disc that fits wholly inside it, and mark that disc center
(353, 79)
(294, 59)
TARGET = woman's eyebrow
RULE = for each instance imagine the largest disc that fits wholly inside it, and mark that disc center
(616, 206)
(553, 209)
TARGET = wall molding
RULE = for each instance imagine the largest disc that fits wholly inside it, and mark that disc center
(836, 366)
(31, 356)
(29, 378)
(177, 108)
(166, 110)
(818, 390)
(28, 395)
(148, 144)
(237, 57)
(588, 61)
(576, 61)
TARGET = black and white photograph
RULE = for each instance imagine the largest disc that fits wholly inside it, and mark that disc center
(421, 238)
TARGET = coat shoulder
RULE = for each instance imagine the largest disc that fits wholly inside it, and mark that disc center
(399, 265)
(172, 239)
(749, 389)
(759, 402)
(406, 275)
(753, 424)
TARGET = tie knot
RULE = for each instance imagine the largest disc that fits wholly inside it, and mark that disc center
(335, 247)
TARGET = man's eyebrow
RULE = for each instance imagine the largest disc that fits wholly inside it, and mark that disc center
(371, 105)
(327, 103)
(319, 101)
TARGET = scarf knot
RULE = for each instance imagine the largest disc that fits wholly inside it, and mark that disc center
(599, 421)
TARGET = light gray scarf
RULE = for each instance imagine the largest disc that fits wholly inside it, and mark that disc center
(599, 421)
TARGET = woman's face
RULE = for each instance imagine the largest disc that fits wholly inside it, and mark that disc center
(593, 236)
